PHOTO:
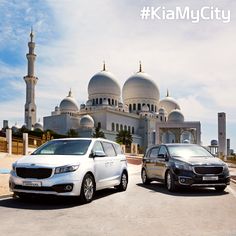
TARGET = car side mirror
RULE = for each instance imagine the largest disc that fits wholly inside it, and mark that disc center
(98, 154)
(162, 156)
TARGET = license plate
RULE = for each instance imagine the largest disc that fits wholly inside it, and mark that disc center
(32, 183)
(210, 178)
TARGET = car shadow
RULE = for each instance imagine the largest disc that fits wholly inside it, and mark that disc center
(182, 192)
(49, 202)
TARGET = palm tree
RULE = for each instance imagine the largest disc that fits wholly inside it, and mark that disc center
(124, 137)
(98, 133)
(72, 133)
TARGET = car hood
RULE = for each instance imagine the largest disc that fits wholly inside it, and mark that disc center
(49, 160)
(200, 160)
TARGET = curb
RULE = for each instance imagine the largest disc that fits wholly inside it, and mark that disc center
(232, 180)
(6, 196)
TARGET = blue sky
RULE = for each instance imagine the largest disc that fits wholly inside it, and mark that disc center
(196, 62)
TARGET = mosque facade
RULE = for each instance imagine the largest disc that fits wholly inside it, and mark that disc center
(136, 107)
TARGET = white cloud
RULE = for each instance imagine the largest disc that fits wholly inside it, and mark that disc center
(196, 62)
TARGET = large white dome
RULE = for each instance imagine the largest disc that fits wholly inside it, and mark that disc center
(169, 104)
(103, 83)
(140, 86)
(86, 121)
(69, 104)
(176, 116)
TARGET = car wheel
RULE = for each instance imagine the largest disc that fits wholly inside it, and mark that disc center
(220, 188)
(87, 189)
(123, 182)
(144, 177)
(170, 184)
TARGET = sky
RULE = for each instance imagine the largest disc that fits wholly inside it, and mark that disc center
(194, 61)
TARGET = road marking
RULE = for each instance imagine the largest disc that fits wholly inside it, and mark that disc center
(232, 191)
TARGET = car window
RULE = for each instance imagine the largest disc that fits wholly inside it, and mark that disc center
(163, 151)
(63, 147)
(153, 152)
(117, 148)
(98, 147)
(108, 148)
(188, 151)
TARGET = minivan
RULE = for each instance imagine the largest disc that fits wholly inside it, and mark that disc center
(70, 167)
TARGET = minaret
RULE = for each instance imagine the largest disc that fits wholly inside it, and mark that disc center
(30, 80)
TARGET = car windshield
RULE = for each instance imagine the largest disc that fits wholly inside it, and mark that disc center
(63, 147)
(188, 151)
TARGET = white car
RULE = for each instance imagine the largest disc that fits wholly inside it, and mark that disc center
(70, 167)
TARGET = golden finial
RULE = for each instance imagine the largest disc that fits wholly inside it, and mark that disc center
(31, 34)
(70, 93)
(167, 93)
(140, 66)
(104, 66)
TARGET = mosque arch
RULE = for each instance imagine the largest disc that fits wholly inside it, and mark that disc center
(168, 137)
(186, 137)
(113, 126)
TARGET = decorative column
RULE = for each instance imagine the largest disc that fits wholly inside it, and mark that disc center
(9, 141)
(25, 143)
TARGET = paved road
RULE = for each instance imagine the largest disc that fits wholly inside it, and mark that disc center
(140, 210)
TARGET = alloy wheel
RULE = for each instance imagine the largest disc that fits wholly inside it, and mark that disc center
(144, 176)
(88, 188)
(124, 180)
(168, 181)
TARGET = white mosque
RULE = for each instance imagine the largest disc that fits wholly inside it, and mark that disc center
(136, 107)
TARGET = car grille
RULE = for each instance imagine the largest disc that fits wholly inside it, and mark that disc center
(36, 173)
(204, 170)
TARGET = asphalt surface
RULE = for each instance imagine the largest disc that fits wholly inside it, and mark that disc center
(141, 210)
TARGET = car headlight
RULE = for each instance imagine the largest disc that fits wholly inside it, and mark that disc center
(183, 166)
(64, 169)
(225, 168)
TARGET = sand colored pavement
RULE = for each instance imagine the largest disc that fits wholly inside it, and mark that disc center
(5, 164)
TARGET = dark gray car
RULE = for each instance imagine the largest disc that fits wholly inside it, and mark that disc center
(184, 165)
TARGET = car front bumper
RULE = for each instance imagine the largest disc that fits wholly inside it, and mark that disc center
(67, 184)
(188, 178)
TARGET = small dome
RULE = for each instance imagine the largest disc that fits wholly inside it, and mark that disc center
(169, 104)
(89, 103)
(214, 142)
(57, 108)
(140, 86)
(145, 108)
(15, 128)
(69, 104)
(24, 126)
(103, 83)
(82, 106)
(176, 116)
(186, 141)
(162, 111)
(86, 121)
(38, 125)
